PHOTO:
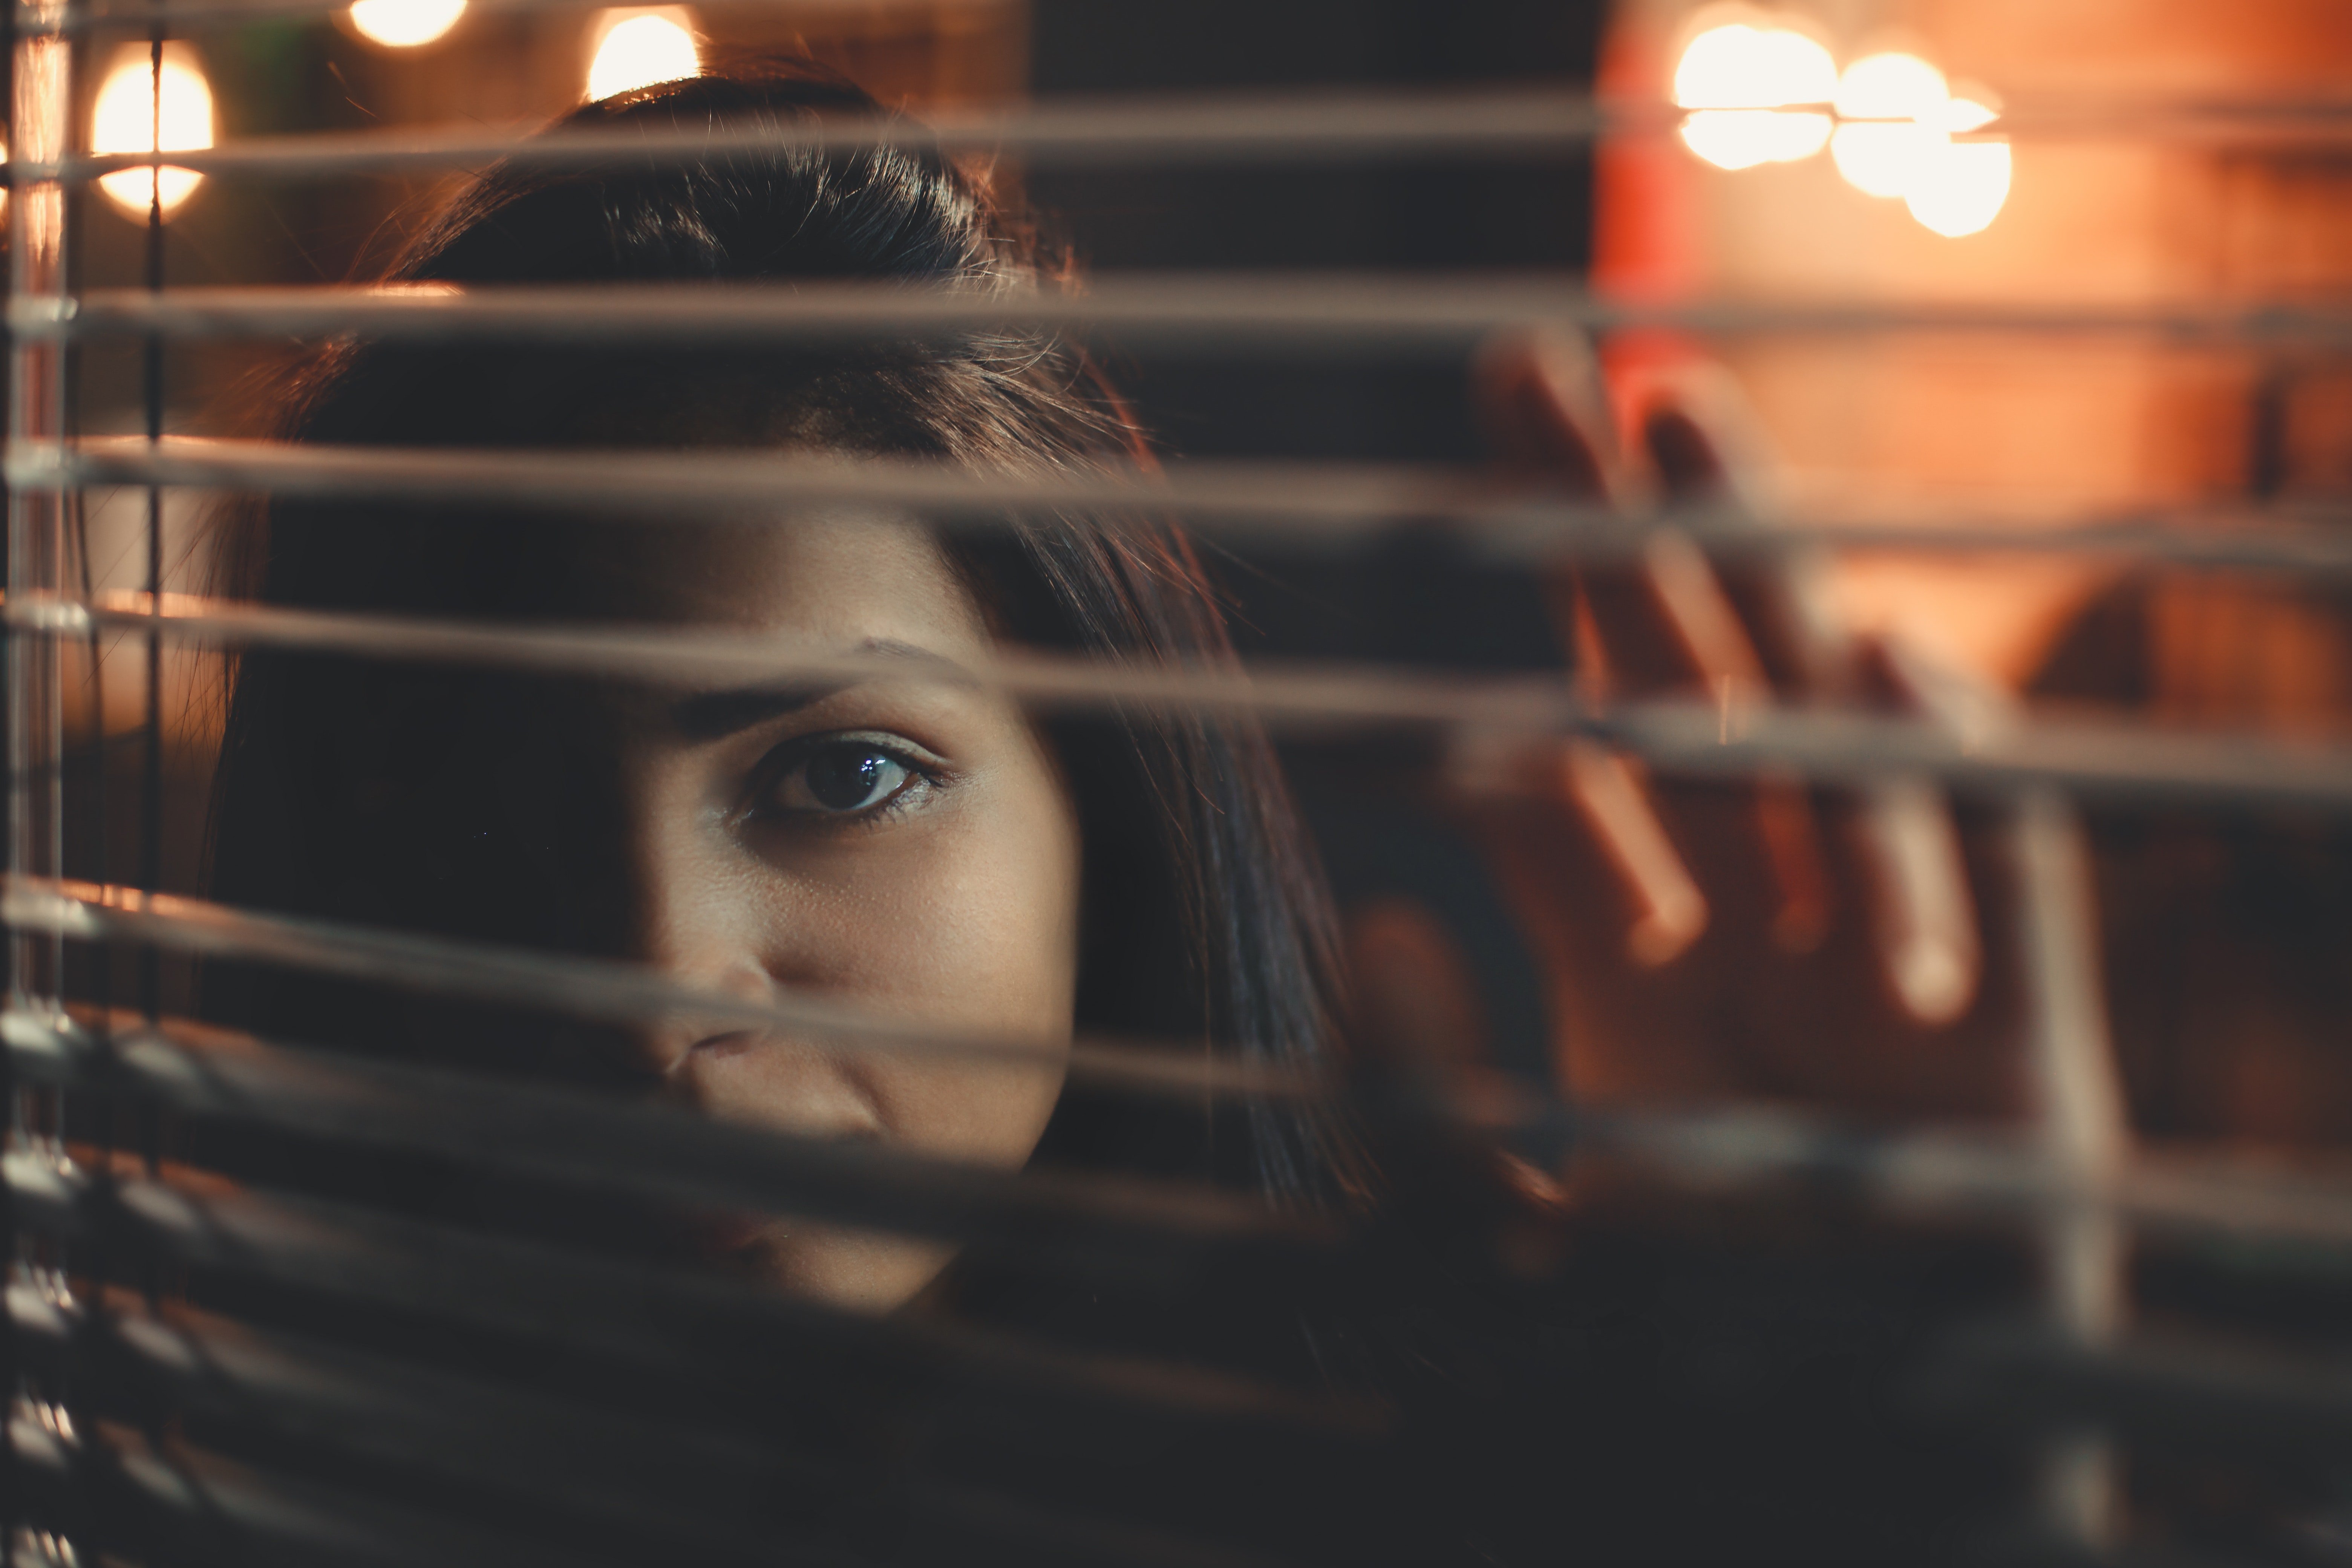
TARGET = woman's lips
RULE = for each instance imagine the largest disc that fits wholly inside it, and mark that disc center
(750, 1078)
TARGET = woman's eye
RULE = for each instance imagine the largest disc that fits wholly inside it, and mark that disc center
(842, 778)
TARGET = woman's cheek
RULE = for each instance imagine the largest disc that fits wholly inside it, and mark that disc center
(966, 916)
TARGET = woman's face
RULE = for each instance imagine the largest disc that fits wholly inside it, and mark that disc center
(905, 844)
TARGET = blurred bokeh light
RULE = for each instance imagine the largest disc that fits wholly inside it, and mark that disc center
(1895, 99)
(639, 48)
(125, 119)
(1738, 78)
(1748, 84)
(1959, 188)
(405, 24)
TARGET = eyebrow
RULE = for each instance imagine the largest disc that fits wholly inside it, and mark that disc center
(714, 715)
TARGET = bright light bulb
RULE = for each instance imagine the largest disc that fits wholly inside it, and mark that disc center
(1714, 69)
(1899, 117)
(1796, 136)
(1895, 106)
(1740, 67)
(1730, 138)
(124, 120)
(1891, 86)
(1743, 138)
(1799, 69)
(1961, 188)
(1736, 79)
(642, 49)
(405, 24)
(1879, 158)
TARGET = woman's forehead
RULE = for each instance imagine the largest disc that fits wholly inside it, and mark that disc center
(839, 578)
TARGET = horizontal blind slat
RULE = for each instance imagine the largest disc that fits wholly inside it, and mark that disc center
(1325, 507)
(579, 987)
(688, 1323)
(1129, 1226)
(662, 1480)
(1996, 754)
(1342, 315)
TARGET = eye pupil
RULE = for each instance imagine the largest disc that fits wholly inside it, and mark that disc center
(846, 777)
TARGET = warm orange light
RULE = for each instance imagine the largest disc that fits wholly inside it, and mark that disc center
(404, 24)
(1742, 66)
(1743, 138)
(1738, 79)
(1890, 87)
(124, 120)
(1899, 117)
(636, 49)
(1961, 188)
(1897, 99)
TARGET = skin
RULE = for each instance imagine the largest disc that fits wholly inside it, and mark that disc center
(906, 844)
(1747, 1002)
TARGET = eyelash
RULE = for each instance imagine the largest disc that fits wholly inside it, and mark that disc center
(792, 760)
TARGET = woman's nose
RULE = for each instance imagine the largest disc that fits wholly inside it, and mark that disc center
(695, 924)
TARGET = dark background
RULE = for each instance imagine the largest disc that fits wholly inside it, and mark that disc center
(1409, 600)
(1520, 215)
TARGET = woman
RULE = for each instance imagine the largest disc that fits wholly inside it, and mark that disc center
(918, 845)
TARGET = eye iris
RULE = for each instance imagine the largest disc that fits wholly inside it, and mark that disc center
(847, 777)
